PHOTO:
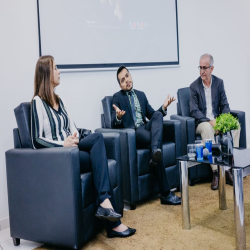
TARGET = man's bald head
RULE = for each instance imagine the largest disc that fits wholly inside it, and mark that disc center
(211, 59)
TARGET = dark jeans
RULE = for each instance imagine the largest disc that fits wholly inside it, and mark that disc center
(94, 145)
(150, 136)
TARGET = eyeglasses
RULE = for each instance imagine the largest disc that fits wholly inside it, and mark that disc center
(204, 68)
(126, 76)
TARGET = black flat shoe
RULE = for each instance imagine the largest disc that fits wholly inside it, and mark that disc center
(107, 214)
(156, 155)
(171, 199)
(128, 232)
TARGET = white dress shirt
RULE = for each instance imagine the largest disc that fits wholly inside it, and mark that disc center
(208, 96)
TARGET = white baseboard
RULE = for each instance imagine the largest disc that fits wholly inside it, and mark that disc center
(4, 223)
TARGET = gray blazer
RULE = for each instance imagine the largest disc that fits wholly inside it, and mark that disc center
(197, 103)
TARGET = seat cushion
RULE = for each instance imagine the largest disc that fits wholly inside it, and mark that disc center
(143, 157)
(148, 186)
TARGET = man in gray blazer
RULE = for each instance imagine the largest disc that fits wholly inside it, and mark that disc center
(207, 101)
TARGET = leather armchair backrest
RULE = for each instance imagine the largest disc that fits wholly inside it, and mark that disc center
(107, 108)
(178, 109)
(102, 121)
(17, 141)
(183, 96)
(22, 113)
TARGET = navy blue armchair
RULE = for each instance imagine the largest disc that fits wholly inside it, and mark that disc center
(203, 171)
(51, 193)
(139, 181)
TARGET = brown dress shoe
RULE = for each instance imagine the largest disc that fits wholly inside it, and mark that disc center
(229, 177)
(214, 184)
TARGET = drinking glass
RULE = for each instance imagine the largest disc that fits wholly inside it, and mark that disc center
(199, 151)
(191, 151)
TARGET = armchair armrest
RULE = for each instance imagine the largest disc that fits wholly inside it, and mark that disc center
(187, 131)
(172, 133)
(83, 129)
(44, 192)
(241, 116)
(128, 161)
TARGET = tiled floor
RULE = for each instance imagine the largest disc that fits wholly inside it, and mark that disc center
(6, 242)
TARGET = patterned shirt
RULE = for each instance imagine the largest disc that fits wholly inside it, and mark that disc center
(208, 96)
(139, 120)
(49, 127)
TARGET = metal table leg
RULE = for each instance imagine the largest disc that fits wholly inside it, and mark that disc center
(239, 213)
(222, 188)
(184, 195)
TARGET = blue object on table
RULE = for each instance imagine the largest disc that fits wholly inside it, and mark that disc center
(210, 158)
(199, 151)
(208, 145)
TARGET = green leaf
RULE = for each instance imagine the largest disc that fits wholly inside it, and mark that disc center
(226, 122)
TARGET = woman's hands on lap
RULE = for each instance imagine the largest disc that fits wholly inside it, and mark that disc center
(71, 141)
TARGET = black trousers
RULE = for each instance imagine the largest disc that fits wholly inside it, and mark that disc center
(150, 136)
(94, 145)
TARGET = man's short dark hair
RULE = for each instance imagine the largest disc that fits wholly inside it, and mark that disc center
(119, 71)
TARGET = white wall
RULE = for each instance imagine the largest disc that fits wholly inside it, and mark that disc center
(218, 27)
(18, 56)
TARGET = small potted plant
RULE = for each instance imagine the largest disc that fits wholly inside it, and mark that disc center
(225, 123)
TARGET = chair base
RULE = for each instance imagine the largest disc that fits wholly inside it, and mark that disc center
(16, 241)
(129, 206)
(191, 183)
(132, 206)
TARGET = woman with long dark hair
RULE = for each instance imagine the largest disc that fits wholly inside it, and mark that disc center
(52, 126)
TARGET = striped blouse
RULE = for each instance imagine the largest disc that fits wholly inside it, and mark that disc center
(49, 127)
